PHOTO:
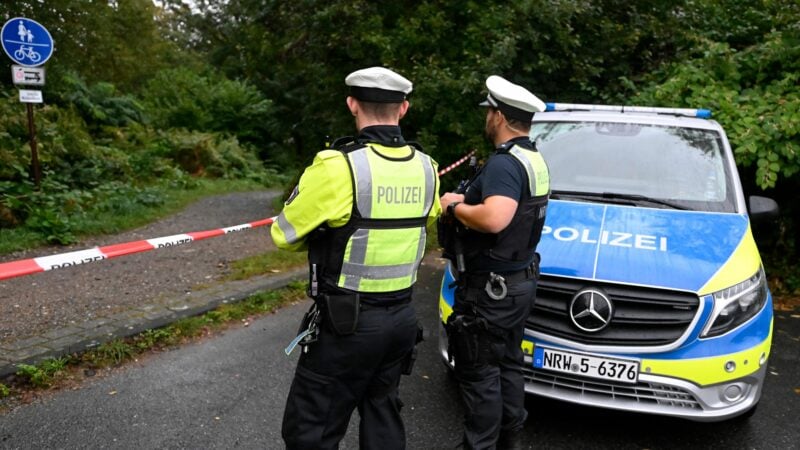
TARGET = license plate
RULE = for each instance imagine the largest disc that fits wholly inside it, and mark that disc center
(604, 368)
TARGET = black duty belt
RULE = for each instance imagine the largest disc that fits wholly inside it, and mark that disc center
(377, 304)
(480, 279)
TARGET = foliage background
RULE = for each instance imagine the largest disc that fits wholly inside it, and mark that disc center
(143, 98)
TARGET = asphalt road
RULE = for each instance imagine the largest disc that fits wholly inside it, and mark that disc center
(229, 392)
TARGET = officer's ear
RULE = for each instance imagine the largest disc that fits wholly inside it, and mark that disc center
(404, 108)
(352, 105)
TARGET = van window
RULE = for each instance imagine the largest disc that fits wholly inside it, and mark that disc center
(685, 166)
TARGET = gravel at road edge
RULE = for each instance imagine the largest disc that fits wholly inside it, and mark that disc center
(34, 304)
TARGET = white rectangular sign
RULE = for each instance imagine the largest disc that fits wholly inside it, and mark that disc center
(33, 76)
(26, 96)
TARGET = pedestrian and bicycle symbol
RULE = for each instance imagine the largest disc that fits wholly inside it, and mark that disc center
(26, 42)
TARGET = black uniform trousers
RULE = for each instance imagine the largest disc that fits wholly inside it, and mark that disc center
(339, 373)
(493, 388)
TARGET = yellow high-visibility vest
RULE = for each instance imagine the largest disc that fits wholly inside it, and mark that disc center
(392, 200)
(536, 168)
(368, 225)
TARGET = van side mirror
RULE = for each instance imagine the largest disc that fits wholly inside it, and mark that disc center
(762, 209)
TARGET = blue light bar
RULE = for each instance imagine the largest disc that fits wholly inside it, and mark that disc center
(689, 112)
(703, 113)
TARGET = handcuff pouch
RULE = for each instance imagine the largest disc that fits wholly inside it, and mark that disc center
(342, 312)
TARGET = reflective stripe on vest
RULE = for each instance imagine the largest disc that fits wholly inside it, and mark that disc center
(536, 168)
(385, 257)
(289, 233)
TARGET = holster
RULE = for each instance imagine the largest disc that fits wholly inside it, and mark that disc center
(411, 358)
(472, 342)
(342, 312)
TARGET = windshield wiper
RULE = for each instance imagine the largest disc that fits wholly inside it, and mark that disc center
(557, 194)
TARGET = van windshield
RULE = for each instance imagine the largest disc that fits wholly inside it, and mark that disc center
(683, 167)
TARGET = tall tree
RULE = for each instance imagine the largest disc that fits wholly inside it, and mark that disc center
(299, 52)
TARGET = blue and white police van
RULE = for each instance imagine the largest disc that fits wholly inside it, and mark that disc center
(652, 295)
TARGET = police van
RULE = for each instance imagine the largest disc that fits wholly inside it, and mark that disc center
(652, 295)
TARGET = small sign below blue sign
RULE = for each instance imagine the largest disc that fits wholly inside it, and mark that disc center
(26, 42)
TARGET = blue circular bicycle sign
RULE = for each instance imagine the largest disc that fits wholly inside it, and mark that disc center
(26, 42)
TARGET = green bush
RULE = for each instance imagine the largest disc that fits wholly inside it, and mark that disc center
(99, 104)
(206, 154)
(115, 166)
(754, 93)
(184, 98)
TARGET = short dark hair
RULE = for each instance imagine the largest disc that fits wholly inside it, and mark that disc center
(380, 111)
(520, 125)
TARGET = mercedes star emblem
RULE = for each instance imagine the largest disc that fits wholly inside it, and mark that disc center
(591, 310)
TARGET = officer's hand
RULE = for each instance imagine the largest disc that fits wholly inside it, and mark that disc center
(450, 197)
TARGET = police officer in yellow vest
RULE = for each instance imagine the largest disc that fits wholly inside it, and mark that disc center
(361, 209)
(501, 214)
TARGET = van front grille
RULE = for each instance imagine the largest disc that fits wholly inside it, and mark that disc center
(642, 316)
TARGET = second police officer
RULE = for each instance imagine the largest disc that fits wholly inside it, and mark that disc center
(500, 216)
(361, 209)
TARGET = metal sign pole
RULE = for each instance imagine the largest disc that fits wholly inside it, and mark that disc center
(37, 175)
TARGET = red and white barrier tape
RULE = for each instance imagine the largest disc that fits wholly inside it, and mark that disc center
(60, 261)
(44, 263)
(456, 164)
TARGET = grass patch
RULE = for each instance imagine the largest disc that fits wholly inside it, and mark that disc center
(114, 352)
(43, 374)
(193, 327)
(50, 373)
(270, 262)
(119, 210)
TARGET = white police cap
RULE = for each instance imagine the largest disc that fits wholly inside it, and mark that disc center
(378, 84)
(513, 100)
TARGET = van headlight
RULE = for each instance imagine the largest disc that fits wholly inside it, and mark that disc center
(735, 305)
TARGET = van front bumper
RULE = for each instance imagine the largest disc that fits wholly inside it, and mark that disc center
(665, 387)
(662, 387)
(652, 394)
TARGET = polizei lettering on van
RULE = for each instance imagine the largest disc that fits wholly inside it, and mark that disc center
(400, 194)
(605, 237)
